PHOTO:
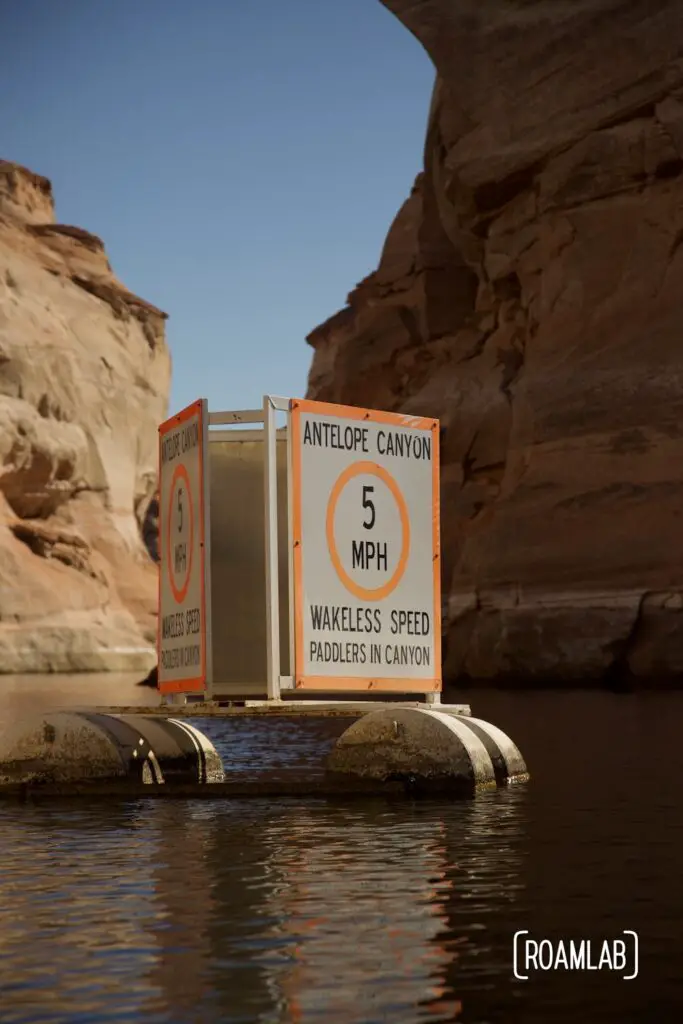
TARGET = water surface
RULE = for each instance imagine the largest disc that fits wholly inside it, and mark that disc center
(370, 911)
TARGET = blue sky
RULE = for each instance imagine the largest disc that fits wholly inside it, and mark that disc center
(241, 159)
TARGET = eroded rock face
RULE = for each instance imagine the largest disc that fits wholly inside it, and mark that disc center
(84, 378)
(530, 295)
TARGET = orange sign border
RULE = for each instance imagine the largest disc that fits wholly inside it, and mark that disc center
(180, 592)
(371, 469)
(301, 406)
(197, 683)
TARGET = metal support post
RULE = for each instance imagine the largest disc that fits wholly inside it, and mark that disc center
(271, 549)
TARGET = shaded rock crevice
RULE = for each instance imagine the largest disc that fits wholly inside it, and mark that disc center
(67, 547)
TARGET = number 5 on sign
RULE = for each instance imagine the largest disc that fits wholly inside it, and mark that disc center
(367, 503)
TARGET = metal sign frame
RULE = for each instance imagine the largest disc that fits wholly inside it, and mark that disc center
(275, 683)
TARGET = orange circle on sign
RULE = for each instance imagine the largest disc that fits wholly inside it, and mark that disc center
(180, 592)
(371, 469)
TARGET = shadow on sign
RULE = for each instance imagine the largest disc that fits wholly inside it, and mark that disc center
(238, 587)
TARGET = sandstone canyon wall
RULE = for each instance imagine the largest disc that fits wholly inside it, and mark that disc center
(530, 295)
(84, 378)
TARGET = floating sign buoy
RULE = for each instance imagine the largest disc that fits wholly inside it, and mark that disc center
(82, 746)
(431, 751)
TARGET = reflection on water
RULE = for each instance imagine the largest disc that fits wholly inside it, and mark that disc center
(177, 912)
(370, 898)
(270, 911)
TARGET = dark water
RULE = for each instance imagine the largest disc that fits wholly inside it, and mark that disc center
(370, 911)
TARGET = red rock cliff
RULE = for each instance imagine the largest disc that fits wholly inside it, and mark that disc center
(84, 377)
(530, 295)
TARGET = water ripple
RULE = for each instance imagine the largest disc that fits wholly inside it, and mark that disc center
(295, 911)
